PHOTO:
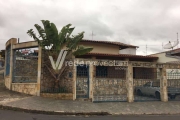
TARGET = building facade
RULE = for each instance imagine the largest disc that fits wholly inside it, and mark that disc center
(104, 74)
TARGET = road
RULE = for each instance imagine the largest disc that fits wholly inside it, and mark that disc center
(15, 115)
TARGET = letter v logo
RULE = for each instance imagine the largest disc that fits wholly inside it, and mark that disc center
(60, 60)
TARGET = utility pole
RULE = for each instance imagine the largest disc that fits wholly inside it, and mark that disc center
(92, 35)
(146, 49)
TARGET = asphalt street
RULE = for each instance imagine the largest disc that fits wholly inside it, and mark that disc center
(15, 115)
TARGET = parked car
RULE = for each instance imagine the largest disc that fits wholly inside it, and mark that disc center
(153, 89)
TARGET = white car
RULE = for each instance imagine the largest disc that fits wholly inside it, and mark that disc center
(153, 89)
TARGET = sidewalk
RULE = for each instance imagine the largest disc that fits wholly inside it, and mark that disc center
(47, 105)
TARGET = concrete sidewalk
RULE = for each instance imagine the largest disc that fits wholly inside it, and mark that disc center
(40, 104)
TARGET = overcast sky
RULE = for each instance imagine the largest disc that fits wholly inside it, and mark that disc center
(136, 22)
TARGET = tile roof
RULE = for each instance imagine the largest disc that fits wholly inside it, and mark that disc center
(122, 55)
(101, 41)
(173, 51)
(110, 42)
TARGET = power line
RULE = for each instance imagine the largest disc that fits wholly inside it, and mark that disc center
(149, 45)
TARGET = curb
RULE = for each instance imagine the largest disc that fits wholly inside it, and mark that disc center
(139, 114)
(52, 112)
(3, 107)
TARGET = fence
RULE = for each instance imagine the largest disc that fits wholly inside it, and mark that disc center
(8, 53)
(49, 84)
(110, 84)
(173, 84)
(25, 65)
(25, 74)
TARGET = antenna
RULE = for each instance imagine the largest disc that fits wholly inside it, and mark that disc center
(18, 40)
(177, 39)
(171, 44)
(92, 35)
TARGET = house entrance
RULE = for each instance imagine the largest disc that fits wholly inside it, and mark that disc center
(82, 81)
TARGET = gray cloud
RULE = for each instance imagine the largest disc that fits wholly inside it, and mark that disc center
(137, 22)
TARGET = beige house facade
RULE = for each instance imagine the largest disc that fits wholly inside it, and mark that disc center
(107, 47)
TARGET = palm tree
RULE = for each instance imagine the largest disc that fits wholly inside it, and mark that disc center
(53, 41)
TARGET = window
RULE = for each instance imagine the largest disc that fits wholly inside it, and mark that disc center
(82, 71)
(110, 72)
(156, 84)
(144, 73)
(147, 84)
(101, 71)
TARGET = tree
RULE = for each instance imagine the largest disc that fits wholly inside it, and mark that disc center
(53, 41)
(2, 53)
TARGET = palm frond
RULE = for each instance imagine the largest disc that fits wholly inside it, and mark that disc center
(33, 35)
(56, 41)
(41, 31)
(73, 43)
(82, 50)
(63, 34)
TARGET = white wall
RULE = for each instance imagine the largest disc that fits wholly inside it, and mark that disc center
(163, 58)
(131, 51)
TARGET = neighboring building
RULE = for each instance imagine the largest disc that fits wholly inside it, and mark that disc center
(171, 56)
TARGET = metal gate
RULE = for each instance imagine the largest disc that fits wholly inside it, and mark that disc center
(8, 54)
(146, 84)
(82, 81)
(110, 84)
(173, 86)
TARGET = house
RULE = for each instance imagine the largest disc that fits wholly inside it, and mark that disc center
(114, 50)
(109, 47)
(110, 72)
(172, 56)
